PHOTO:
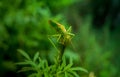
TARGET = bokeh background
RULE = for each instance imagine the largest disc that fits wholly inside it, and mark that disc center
(96, 25)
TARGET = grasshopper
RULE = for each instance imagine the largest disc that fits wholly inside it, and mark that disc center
(64, 36)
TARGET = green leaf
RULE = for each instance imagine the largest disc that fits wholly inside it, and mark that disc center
(69, 29)
(69, 65)
(46, 63)
(78, 69)
(66, 75)
(40, 62)
(26, 69)
(36, 56)
(23, 63)
(46, 75)
(47, 68)
(74, 73)
(59, 72)
(71, 60)
(69, 74)
(32, 75)
(24, 54)
(63, 63)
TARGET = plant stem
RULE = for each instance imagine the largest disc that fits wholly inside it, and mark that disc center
(62, 49)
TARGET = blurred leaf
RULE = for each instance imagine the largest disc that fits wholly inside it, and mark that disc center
(74, 73)
(24, 54)
(36, 56)
(32, 75)
(78, 69)
(24, 69)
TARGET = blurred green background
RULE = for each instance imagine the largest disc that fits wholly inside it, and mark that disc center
(96, 24)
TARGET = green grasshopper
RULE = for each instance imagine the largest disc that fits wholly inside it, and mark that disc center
(64, 36)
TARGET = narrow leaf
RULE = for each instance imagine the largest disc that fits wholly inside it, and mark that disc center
(46, 65)
(24, 54)
(26, 69)
(23, 63)
(69, 29)
(40, 62)
(36, 56)
(63, 63)
(66, 75)
(69, 65)
(74, 73)
(33, 75)
(71, 60)
(78, 69)
(69, 74)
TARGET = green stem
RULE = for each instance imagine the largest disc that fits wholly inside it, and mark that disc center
(60, 55)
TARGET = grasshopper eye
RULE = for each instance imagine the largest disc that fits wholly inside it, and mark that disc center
(52, 23)
(59, 27)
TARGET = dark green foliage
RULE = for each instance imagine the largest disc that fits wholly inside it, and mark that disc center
(40, 67)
